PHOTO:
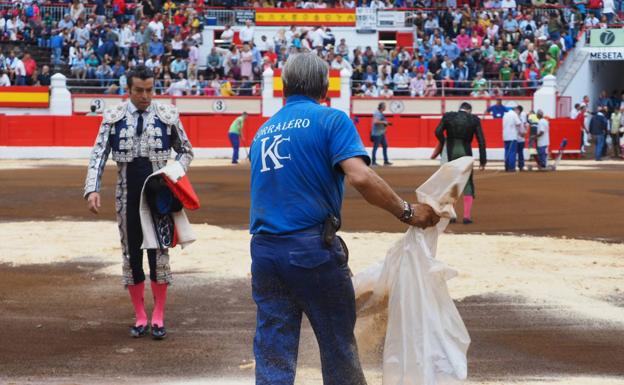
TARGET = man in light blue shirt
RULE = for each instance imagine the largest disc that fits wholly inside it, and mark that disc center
(178, 65)
(299, 160)
(156, 47)
(450, 49)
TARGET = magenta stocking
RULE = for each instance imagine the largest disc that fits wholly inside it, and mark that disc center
(136, 295)
(468, 206)
(160, 297)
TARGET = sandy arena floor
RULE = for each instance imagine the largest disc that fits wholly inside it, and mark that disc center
(540, 287)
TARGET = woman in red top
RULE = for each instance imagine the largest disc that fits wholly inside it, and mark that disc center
(30, 65)
(119, 10)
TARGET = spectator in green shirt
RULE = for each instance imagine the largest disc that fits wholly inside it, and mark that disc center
(236, 134)
(549, 66)
(505, 75)
(554, 51)
(512, 56)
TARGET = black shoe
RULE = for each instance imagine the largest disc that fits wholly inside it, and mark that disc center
(159, 332)
(387, 163)
(453, 220)
(467, 221)
(374, 164)
(139, 331)
(234, 162)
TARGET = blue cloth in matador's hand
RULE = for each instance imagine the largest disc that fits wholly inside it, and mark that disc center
(160, 199)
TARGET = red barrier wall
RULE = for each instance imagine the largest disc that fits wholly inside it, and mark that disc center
(418, 132)
(211, 131)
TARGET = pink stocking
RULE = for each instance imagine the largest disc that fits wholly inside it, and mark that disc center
(160, 297)
(468, 206)
(136, 295)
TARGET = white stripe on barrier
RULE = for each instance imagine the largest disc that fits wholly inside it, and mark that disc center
(210, 153)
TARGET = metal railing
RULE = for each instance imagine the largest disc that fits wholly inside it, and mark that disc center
(459, 88)
(102, 86)
(56, 11)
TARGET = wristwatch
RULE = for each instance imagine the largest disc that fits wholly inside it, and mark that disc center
(408, 212)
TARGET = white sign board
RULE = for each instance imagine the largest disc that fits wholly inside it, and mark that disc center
(391, 19)
(366, 19)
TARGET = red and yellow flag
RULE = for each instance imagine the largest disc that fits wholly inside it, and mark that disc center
(289, 16)
(333, 90)
(25, 96)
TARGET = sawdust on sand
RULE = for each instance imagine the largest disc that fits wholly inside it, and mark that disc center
(576, 275)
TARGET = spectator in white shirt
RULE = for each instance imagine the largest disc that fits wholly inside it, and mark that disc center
(386, 92)
(543, 139)
(320, 4)
(20, 72)
(156, 26)
(608, 9)
(246, 34)
(179, 87)
(316, 37)
(377, 4)
(511, 127)
(227, 36)
(339, 63)
(290, 34)
(369, 89)
(417, 85)
(4, 79)
(591, 20)
(126, 39)
(508, 4)
(152, 62)
(401, 82)
(264, 44)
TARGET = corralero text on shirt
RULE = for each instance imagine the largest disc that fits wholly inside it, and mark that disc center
(271, 151)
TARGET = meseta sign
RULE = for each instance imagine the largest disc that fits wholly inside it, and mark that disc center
(606, 38)
(610, 55)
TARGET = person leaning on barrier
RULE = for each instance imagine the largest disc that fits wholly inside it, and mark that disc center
(299, 160)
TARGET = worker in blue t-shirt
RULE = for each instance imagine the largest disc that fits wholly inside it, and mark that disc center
(299, 160)
(497, 110)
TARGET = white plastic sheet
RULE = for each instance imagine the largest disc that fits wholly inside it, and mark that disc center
(425, 339)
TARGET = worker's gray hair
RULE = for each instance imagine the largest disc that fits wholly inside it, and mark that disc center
(540, 113)
(305, 74)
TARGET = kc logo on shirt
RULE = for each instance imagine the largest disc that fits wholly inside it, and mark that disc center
(272, 152)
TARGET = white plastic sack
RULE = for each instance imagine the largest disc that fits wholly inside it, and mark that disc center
(425, 338)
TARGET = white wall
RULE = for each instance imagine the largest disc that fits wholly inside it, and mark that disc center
(580, 84)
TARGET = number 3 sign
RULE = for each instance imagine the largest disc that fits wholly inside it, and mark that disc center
(219, 105)
(99, 105)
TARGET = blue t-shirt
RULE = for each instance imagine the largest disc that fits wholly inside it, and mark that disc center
(497, 111)
(295, 178)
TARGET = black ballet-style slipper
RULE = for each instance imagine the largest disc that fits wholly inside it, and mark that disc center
(159, 332)
(139, 331)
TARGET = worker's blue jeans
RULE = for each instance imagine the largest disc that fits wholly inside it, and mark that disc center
(510, 155)
(235, 141)
(296, 274)
(600, 143)
(542, 155)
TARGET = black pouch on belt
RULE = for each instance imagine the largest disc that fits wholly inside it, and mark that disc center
(330, 228)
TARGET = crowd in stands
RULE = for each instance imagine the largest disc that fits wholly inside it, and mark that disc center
(503, 48)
